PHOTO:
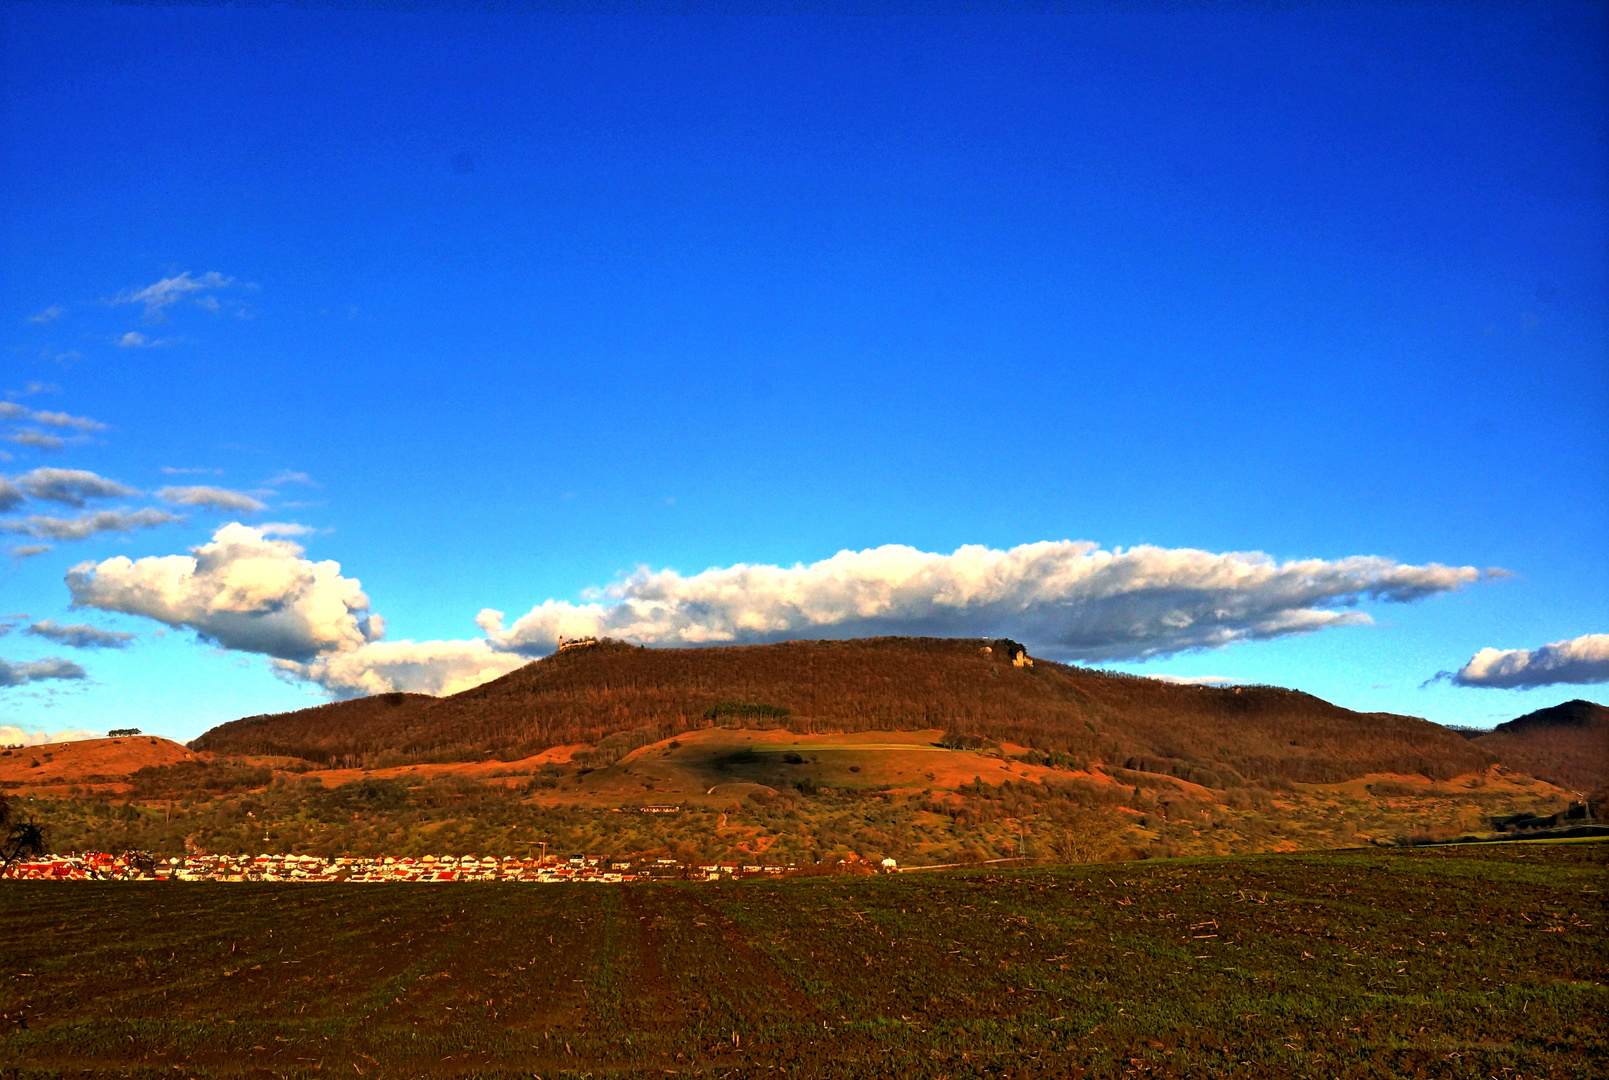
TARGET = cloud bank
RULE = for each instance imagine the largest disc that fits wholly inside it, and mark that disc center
(1578, 660)
(251, 591)
(1066, 599)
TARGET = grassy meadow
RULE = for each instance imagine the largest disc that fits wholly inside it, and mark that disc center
(1468, 961)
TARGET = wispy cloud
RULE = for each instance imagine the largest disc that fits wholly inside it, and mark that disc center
(1576, 660)
(290, 476)
(168, 291)
(19, 673)
(39, 440)
(211, 498)
(87, 525)
(136, 340)
(79, 635)
(11, 495)
(28, 551)
(50, 314)
(168, 470)
(1195, 680)
(71, 487)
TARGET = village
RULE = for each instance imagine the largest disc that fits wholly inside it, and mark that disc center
(140, 866)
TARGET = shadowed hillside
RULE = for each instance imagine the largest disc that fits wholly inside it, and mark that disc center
(1567, 745)
(1211, 736)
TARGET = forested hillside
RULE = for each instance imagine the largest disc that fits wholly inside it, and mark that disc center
(976, 689)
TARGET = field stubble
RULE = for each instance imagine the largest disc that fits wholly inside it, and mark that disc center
(1462, 962)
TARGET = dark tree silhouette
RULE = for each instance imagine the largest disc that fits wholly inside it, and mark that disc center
(18, 839)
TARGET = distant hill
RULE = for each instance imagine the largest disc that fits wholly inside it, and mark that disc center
(87, 761)
(628, 694)
(1567, 744)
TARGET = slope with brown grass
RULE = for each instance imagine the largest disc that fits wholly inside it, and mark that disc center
(1213, 736)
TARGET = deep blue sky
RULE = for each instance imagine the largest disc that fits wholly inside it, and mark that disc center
(536, 300)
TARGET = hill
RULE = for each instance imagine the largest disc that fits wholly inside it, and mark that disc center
(616, 697)
(90, 761)
(1567, 744)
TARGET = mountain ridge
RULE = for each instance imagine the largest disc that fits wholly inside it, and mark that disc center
(972, 687)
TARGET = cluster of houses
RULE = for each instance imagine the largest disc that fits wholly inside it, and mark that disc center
(137, 866)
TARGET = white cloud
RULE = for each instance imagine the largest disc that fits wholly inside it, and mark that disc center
(1578, 660)
(1064, 599)
(212, 498)
(79, 635)
(87, 525)
(242, 590)
(248, 591)
(71, 487)
(11, 735)
(28, 551)
(1195, 680)
(171, 290)
(10, 495)
(423, 667)
(290, 476)
(169, 470)
(17, 673)
(50, 314)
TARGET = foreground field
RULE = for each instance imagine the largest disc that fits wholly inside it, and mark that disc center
(1472, 961)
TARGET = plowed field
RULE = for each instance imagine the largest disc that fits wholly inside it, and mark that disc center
(1473, 961)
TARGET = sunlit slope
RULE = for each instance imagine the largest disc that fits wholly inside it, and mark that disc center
(1202, 734)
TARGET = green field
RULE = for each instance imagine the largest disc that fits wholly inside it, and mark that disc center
(1476, 961)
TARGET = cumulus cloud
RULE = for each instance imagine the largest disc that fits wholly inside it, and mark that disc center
(71, 487)
(11, 735)
(18, 673)
(1067, 599)
(1578, 660)
(79, 635)
(87, 525)
(242, 590)
(424, 667)
(10, 495)
(170, 290)
(211, 498)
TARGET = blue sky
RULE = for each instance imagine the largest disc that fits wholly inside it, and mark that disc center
(502, 308)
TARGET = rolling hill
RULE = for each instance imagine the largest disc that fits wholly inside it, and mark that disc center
(1567, 745)
(615, 697)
